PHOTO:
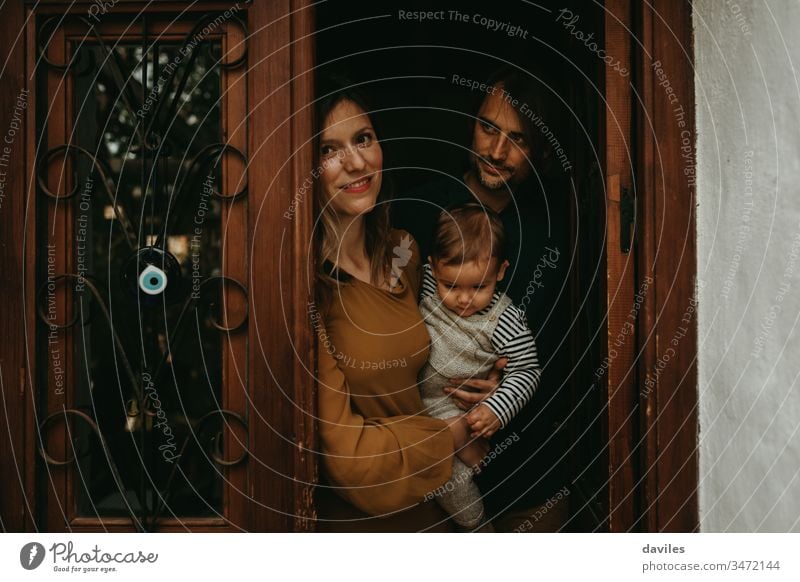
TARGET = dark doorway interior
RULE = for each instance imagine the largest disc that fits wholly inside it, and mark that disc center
(411, 67)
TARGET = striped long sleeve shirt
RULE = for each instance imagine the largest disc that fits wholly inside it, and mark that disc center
(511, 339)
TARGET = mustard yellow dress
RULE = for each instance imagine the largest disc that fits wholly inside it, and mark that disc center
(380, 455)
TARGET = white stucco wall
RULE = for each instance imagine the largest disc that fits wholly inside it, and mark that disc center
(747, 57)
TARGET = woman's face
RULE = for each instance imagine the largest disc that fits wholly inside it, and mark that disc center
(351, 161)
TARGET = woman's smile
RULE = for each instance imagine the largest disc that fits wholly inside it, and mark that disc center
(359, 186)
(351, 178)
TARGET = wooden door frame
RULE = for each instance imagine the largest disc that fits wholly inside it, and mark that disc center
(655, 486)
(652, 388)
(653, 470)
(665, 162)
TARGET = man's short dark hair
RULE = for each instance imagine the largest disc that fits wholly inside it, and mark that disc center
(529, 87)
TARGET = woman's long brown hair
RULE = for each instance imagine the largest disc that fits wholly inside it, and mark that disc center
(376, 222)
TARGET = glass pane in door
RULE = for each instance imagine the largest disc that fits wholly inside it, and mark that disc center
(147, 241)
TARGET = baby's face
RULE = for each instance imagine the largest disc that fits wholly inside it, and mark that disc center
(467, 288)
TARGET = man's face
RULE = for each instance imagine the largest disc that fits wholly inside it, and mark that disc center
(500, 151)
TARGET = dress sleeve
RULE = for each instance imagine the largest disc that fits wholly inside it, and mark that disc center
(381, 465)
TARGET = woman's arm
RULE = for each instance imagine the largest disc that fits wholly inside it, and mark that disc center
(381, 465)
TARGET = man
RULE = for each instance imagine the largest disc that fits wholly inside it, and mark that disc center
(523, 483)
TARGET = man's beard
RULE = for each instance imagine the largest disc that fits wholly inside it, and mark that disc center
(493, 182)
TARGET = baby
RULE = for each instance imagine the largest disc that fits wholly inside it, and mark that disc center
(472, 325)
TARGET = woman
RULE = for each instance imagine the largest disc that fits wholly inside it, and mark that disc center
(380, 454)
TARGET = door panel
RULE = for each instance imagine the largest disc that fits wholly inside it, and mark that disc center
(142, 288)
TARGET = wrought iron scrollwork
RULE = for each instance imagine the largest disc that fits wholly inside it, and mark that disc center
(192, 37)
(215, 453)
(142, 523)
(142, 402)
(137, 404)
(46, 30)
(89, 421)
(97, 166)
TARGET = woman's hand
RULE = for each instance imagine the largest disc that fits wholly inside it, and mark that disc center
(481, 389)
(474, 453)
(459, 429)
(470, 450)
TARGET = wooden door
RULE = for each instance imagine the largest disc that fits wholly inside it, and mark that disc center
(165, 372)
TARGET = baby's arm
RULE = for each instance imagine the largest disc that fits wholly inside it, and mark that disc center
(513, 339)
(428, 282)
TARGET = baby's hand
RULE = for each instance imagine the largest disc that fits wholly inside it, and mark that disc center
(482, 421)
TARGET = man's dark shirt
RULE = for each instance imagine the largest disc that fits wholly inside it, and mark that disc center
(536, 223)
